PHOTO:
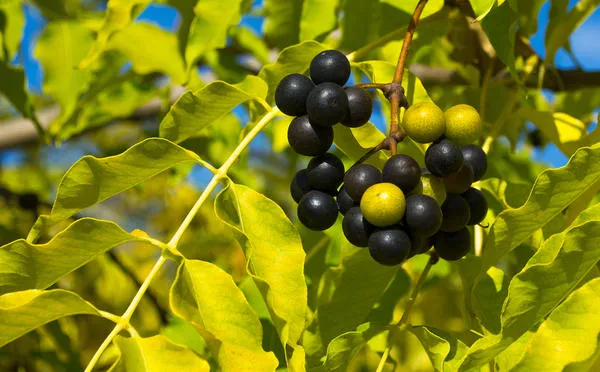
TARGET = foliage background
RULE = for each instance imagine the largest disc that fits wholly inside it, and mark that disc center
(98, 103)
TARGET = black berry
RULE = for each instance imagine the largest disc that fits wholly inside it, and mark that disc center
(330, 66)
(307, 139)
(299, 185)
(327, 104)
(359, 178)
(390, 246)
(423, 214)
(345, 201)
(460, 181)
(356, 228)
(455, 212)
(403, 171)
(452, 246)
(291, 94)
(444, 158)
(419, 243)
(317, 210)
(360, 107)
(478, 206)
(475, 156)
(325, 173)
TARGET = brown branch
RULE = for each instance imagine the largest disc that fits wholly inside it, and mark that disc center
(396, 95)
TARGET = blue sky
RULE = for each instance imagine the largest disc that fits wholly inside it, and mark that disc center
(582, 42)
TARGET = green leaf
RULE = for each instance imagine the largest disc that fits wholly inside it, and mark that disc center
(12, 22)
(408, 6)
(21, 312)
(150, 49)
(488, 298)
(444, 350)
(119, 15)
(274, 254)
(194, 111)
(360, 24)
(559, 30)
(61, 47)
(28, 266)
(349, 292)
(54, 9)
(248, 40)
(206, 296)
(282, 22)
(294, 59)
(549, 276)
(156, 353)
(500, 26)
(209, 28)
(355, 142)
(553, 191)
(342, 349)
(317, 24)
(12, 85)
(482, 7)
(92, 180)
(570, 333)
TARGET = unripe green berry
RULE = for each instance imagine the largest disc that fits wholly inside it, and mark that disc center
(463, 124)
(424, 122)
(383, 204)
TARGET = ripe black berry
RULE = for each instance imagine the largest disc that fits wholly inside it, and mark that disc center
(460, 181)
(423, 214)
(452, 246)
(444, 158)
(455, 212)
(345, 201)
(390, 246)
(299, 185)
(29, 201)
(317, 210)
(359, 178)
(403, 171)
(291, 94)
(325, 173)
(330, 66)
(419, 243)
(360, 107)
(307, 139)
(477, 205)
(475, 156)
(356, 228)
(327, 104)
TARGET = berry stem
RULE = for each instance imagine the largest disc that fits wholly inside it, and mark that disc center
(372, 85)
(433, 259)
(395, 97)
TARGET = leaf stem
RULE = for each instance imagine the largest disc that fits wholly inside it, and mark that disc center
(384, 357)
(380, 86)
(124, 319)
(123, 322)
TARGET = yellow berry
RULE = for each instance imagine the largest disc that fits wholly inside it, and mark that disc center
(463, 124)
(383, 204)
(424, 122)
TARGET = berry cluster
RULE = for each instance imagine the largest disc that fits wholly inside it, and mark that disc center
(401, 210)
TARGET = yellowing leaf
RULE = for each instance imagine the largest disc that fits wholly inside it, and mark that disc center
(206, 296)
(553, 191)
(156, 354)
(569, 335)
(92, 180)
(274, 254)
(26, 266)
(21, 312)
(194, 111)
